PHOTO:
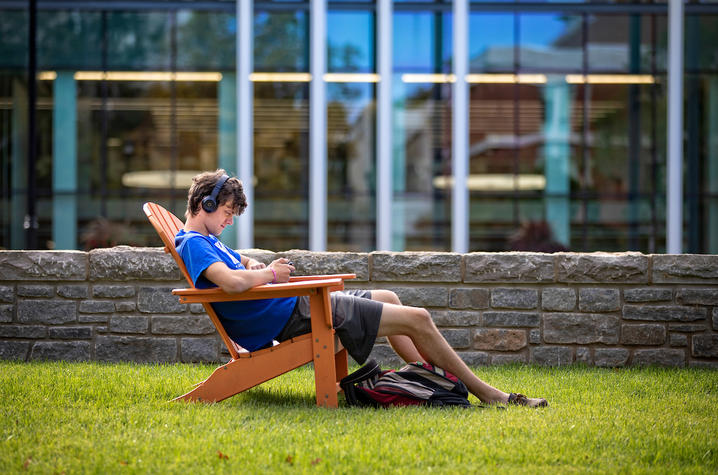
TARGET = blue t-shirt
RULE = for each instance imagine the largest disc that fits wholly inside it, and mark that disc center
(251, 323)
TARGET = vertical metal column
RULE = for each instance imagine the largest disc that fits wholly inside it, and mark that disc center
(318, 128)
(384, 127)
(460, 139)
(245, 108)
(674, 205)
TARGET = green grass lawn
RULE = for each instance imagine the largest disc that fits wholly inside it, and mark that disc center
(99, 418)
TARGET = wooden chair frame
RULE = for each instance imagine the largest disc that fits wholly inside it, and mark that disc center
(248, 369)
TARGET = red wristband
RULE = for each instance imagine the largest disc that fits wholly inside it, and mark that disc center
(274, 281)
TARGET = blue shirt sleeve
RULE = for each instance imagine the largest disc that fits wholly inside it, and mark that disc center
(198, 254)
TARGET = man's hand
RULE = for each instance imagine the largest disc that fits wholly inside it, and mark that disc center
(282, 269)
(255, 265)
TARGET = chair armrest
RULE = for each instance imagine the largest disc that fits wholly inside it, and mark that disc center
(302, 278)
(266, 291)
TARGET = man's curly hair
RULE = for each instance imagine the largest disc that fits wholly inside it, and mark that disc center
(203, 184)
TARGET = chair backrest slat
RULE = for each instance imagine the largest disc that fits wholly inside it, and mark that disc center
(167, 225)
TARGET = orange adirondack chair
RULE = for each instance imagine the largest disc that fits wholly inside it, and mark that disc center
(248, 369)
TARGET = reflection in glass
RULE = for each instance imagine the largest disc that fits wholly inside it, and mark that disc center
(281, 165)
(547, 42)
(422, 42)
(350, 154)
(422, 166)
(281, 41)
(350, 41)
(491, 42)
(138, 41)
(205, 41)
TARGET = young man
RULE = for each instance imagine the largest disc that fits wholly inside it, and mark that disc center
(359, 315)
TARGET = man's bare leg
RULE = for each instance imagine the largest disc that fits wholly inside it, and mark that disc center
(416, 324)
(401, 344)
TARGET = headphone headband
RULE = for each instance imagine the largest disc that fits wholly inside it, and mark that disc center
(209, 203)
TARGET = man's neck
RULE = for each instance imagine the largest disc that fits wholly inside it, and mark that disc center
(193, 224)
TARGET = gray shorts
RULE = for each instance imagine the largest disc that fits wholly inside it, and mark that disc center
(355, 317)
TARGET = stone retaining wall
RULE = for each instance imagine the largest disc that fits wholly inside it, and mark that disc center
(600, 309)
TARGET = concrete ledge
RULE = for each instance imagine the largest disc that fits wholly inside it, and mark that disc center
(602, 309)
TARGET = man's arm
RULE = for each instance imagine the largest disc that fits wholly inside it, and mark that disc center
(252, 264)
(235, 281)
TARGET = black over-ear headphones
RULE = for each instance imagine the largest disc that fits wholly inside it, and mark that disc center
(209, 203)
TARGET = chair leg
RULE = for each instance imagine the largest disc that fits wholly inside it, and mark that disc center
(325, 370)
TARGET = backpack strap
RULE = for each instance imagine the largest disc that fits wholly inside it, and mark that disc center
(370, 370)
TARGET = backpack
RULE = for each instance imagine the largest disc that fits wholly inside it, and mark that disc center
(416, 384)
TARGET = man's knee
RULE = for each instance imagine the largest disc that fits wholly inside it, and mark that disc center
(386, 296)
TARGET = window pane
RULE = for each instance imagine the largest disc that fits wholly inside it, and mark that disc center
(491, 42)
(206, 41)
(422, 42)
(13, 38)
(350, 42)
(550, 42)
(69, 40)
(138, 41)
(281, 165)
(350, 134)
(422, 165)
(281, 41)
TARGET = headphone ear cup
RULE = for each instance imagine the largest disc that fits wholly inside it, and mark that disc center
(208, 204)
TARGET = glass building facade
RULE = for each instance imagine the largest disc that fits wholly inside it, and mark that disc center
(340, 117)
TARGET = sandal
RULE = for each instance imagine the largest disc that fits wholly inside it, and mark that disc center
(518, 399)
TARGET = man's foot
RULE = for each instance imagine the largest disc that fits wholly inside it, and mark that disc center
(521, 400)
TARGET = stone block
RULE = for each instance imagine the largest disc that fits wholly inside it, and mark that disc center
(663, 313)
(423, 296)
(14, 350)
(704, 346)
(685, 268)
(583, 355)
(535, 336)
(474, 358)
(113, 291)
(706, 364)
(6, 312)
(457, 338)
(182, 325)
(129, 324)
(88, 318)
(498, 339)
(659, 357)
(196, 308)
(647, 294)
(559, 299)
(96, 306)
(697, 296)
(61, 350)
(508, 267)
(508, 359)
(35, 290)
(469, 298)
(136, 348)
(158, 300)
(511, 319)
(643, 334)
(125, 306)
(23, 331)
(508, 297)
(599, 300)
(79, 291)
(687, 327)
(317, 263)
(580, 328)
(552, 355)
(628, 267)
(678, 340)
(43, 265)
(70, 333)
(449, 318)
(124, 263)
(415, 266)
(54, 312)
(7, 293)
(610, 357)
(199, 350)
